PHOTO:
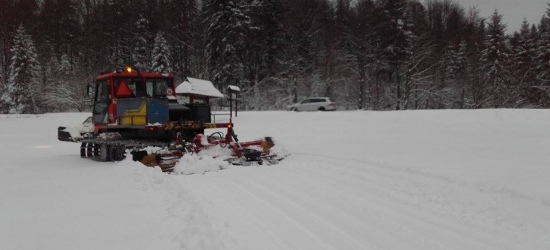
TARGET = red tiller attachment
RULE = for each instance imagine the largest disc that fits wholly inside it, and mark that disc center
(241, 153)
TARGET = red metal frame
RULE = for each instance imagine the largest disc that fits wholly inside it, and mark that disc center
(179, 148)
(110, 77)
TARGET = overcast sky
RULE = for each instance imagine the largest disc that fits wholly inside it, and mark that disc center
(513, 11)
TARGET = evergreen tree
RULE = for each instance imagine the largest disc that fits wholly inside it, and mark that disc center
(25, 12)
(67, 92)
(161, 55)
(419, 65)
(60, 26)
(263, 38)
(332, 68)
(298, 53)
(496, 60)
(228, 23)
(23, 86)
(5, 29)
(523, 64)
(14, 13)
(451, 65)
(125, 14)
(363, 47)
(260, 53)
(122, 55)
(543, 51)
(186, 37)
(141, 54)
(49, 64)
(397, 38)
(475, 45)
(462, 71)
(340, 77)
(380, 54)
(456, 64)
(523, 48)
(457, 75)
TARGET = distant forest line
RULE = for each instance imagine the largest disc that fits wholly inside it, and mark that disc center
(364, 54)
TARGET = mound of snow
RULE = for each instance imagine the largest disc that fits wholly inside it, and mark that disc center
(210, 160)
(279, 150)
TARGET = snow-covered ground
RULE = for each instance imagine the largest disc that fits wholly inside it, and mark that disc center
(450, 179)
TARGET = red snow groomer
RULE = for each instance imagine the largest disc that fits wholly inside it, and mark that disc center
(138, 112)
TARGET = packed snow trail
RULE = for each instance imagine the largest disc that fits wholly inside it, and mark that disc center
(312, 203)
(466, 179)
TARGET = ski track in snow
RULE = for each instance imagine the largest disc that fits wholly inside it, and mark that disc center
(317, 198)
(475, 205)
(468, 216)
(182, 210)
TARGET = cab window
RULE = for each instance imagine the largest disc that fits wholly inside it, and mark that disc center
(102, 101)
(155, 88)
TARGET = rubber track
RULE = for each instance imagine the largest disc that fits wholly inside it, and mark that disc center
(112, 150)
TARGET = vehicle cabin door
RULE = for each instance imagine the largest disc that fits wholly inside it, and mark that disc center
(316, 104)
(305, 105)
(102, 102)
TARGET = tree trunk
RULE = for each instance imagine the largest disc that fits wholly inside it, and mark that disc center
(398, 84)
(295, 90)
(362, 93)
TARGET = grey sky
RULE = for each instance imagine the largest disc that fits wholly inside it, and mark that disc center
(513, 11)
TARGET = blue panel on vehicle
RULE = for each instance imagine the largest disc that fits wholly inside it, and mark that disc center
(157, 111)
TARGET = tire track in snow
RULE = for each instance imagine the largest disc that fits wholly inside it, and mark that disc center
(386, 167)
(355, 232)
(298, 215)
(268, 207)
(396, 212)
(283, 214)
(477, 205)
(245, 217)
(377, 228)
(192, 228)
(287, 223)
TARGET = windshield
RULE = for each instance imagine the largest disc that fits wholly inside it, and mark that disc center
(152, 88)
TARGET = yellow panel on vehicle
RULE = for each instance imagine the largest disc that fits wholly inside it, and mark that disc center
(132, 112)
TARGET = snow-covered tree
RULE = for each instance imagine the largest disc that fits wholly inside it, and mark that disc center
(496, 59)
(59, 26)
(543, 50)
(122, 55)
(141, 54)
(185, 37)
(227, 22)
(161, 55)
(457, 74)
(397, 39)
(360, 47)
(23, 85)
(260, 47)
(523, 56)
(296, 59)
(67, 91)
(523, 63)
(376, 54)
(451, 64)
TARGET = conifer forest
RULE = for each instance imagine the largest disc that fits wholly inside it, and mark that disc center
(364, 54)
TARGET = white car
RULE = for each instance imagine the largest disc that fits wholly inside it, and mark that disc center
(77, 133)
(314, 104)
(86, 127)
